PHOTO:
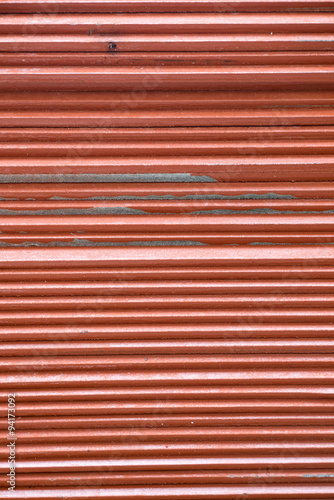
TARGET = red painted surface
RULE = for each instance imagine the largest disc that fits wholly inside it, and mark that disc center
(167, 258)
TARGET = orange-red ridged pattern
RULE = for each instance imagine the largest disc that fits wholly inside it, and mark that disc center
(166, 248)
